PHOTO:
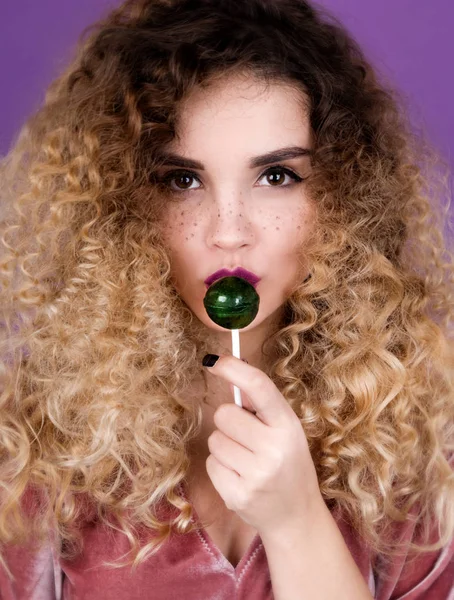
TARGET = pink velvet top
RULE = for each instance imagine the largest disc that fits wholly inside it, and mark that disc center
(190, 566)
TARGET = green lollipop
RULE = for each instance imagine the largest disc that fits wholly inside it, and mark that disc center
(232, 302)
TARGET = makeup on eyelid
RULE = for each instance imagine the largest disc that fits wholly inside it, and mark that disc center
(167, 177)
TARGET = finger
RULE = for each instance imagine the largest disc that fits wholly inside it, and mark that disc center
(232, 455)
(266, 399)
(245, 400)
(224, 480)
(241, 426)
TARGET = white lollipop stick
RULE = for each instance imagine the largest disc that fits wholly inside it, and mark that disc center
(236, 353)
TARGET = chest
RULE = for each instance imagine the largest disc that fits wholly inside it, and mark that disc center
(228, 532)
(232, 540)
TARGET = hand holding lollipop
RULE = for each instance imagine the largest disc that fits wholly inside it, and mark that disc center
(233, 303)
(259, 463)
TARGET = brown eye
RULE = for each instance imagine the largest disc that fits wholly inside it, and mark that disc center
(182, 180)
(276, 176)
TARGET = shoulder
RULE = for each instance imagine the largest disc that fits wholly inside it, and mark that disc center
(409, 576)
(421, 576)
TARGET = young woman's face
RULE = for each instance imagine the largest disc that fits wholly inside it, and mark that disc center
(225, 212)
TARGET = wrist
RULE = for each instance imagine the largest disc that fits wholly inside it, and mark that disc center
(306, 522)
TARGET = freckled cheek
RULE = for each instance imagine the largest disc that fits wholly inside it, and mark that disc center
(180, 226)
(282, 225)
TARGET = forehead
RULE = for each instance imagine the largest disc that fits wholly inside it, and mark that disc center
(243, 113)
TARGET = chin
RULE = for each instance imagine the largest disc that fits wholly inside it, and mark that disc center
(214, 327)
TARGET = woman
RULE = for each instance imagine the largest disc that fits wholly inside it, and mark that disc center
(188, 137)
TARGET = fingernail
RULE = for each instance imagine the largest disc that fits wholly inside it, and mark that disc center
(209, 360)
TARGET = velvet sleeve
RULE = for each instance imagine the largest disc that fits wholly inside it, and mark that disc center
(429, 576)
(36, 574)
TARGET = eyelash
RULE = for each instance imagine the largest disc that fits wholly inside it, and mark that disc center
(166, 179)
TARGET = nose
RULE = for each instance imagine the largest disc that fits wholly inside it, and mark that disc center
(230, 224)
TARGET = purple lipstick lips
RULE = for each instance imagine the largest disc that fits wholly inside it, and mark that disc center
(238, 272)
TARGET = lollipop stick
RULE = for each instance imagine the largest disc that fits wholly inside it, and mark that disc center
(236, 353)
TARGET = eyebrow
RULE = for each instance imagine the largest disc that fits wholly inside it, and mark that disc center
(175, 160)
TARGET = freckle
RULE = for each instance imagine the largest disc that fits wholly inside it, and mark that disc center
(182, 213)
(277, 228)
(187, 239)
(241, 215)
(195, 224)
(299, 227)
(192, 235)
(230, 212)
(278, 217)
(181, 223)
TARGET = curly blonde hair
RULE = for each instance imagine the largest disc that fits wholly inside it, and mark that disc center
(97, 348)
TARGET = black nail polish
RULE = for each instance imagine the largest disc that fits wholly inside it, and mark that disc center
(209, 360)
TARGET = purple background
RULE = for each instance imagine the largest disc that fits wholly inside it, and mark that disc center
(409, 41)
